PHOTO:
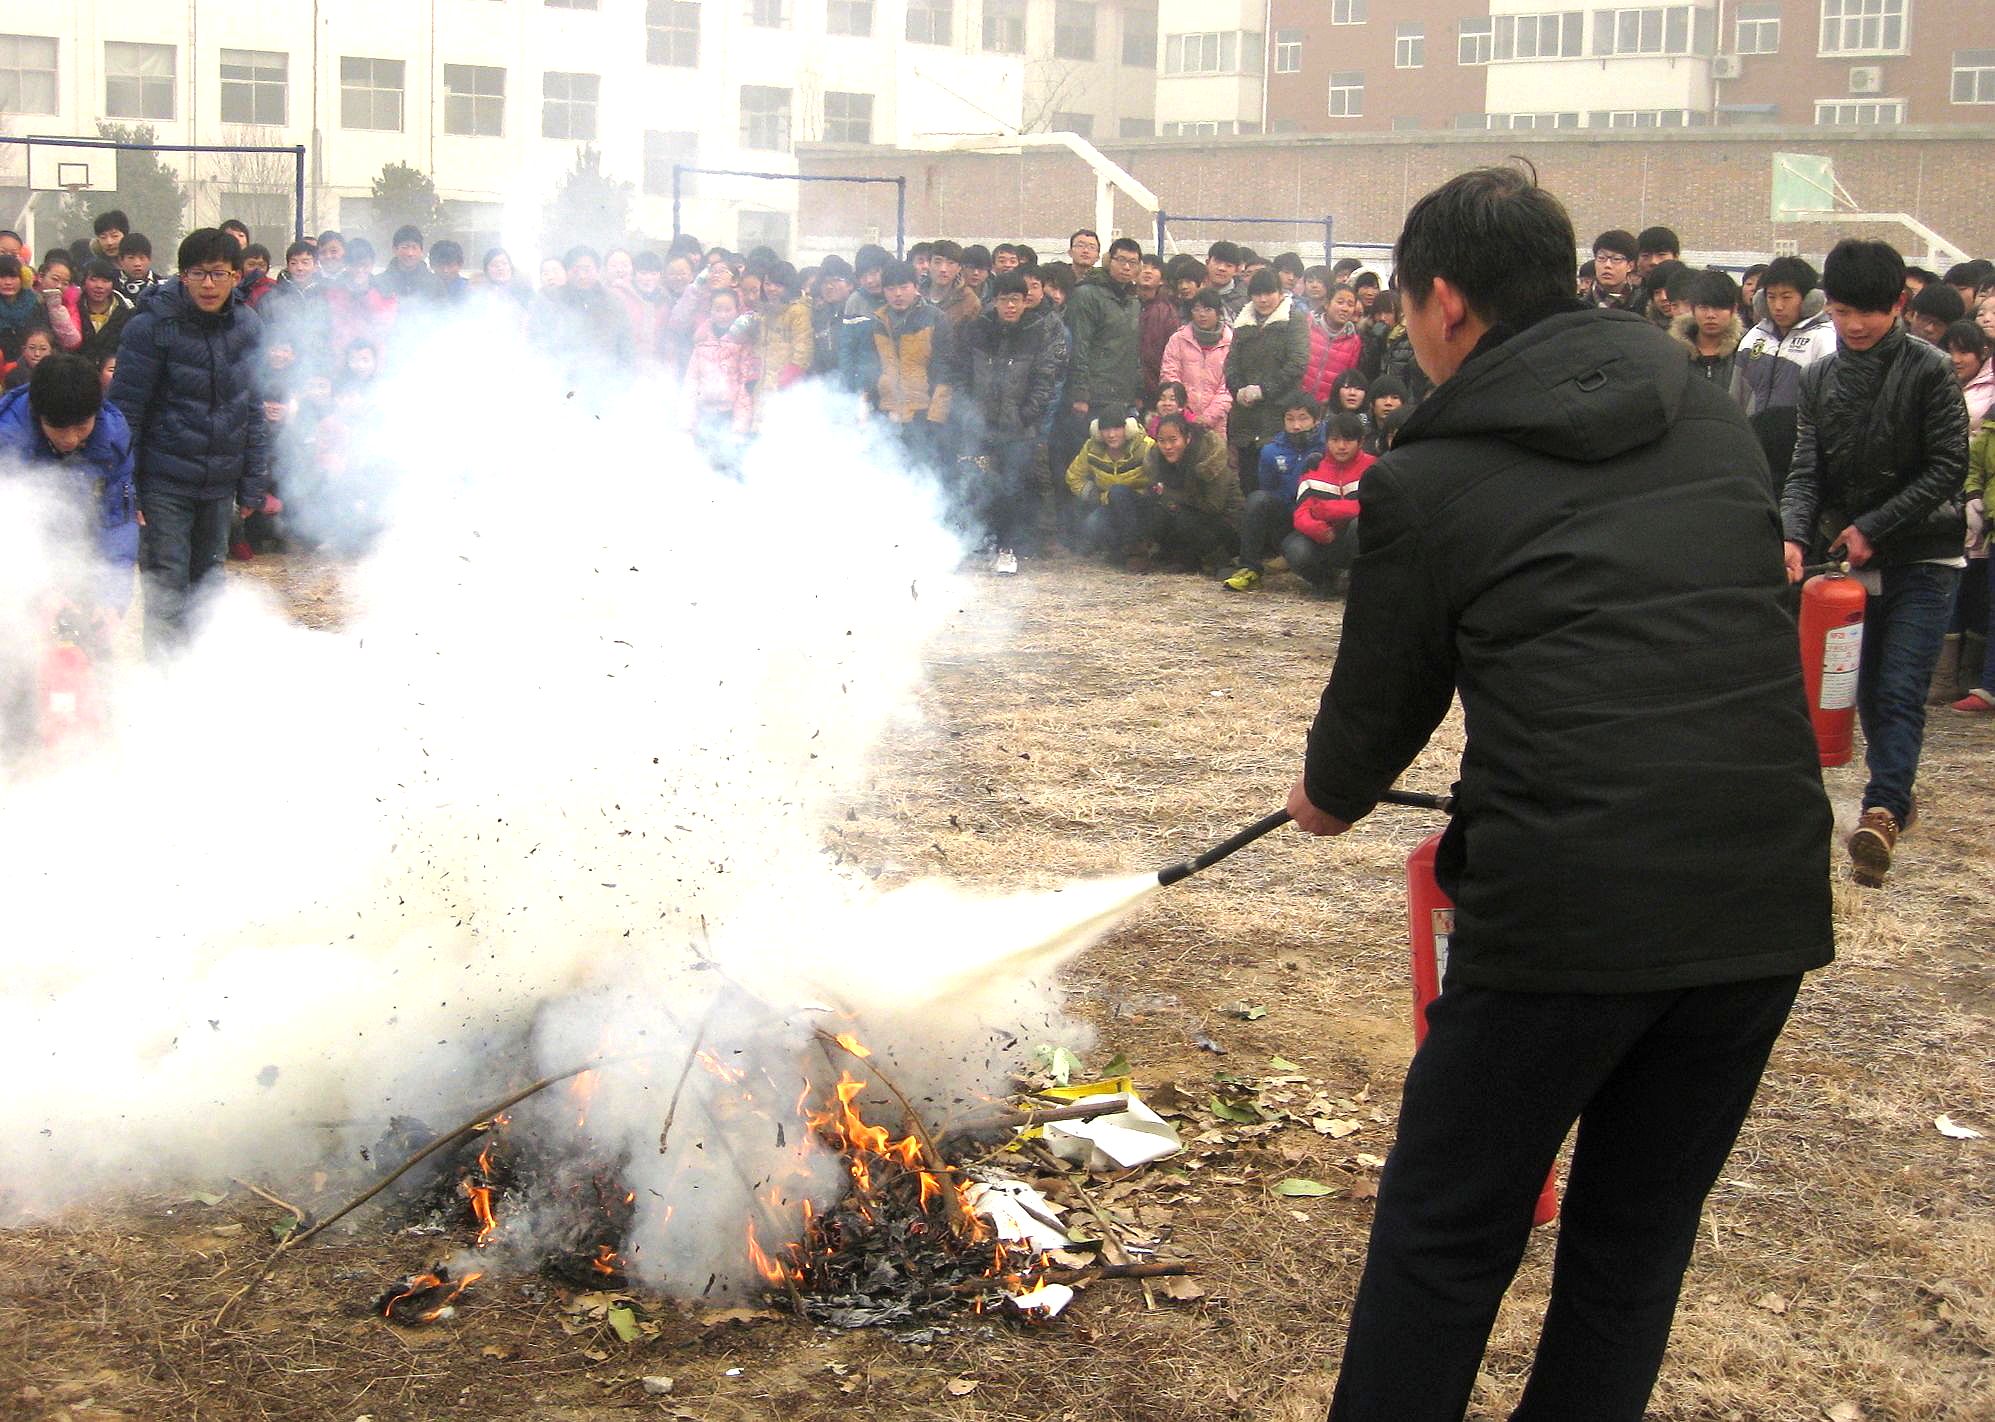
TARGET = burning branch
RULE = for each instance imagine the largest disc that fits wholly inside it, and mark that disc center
(692, 1057)
(952, 1204)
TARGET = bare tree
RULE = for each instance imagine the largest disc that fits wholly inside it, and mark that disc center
(1050, 85)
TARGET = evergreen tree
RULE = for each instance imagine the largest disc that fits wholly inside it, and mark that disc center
(403, 195)
(149, 193)
(589, 208)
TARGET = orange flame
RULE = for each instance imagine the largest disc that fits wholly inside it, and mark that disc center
(584, 1090)
(719, 1069)
(768, 1267)
(418, 1282)
(607, 1260)
(853, 1045)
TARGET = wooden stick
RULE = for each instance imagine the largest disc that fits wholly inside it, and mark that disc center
(291, 1241)
(1111, 1238)
(952, 1204)
(692, 1056)
(1029, 1117)
(261, 1193)
(1087, 1275)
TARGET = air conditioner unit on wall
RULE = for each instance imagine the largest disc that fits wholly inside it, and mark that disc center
(1866, 79)
(1786, 247)
(1726, 66)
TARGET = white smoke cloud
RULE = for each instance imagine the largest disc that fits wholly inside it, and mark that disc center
(556, 790)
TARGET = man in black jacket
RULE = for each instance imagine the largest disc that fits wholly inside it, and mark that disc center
(186, 387)
(1578, 538)
(1006, 368)
(1880, 453)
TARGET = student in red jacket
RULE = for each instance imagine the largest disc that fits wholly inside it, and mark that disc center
(1326, 507)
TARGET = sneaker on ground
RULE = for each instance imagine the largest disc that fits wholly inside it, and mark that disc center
(1004, 561)
(1871, 845)
(1978, 702)
(1245, 580)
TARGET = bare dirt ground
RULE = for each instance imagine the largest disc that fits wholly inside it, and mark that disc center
(1085, 722)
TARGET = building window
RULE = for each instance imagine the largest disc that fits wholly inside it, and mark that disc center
(255, 86)
(1139, 39)
(568, 105)
(1196, 128)
(1288, 51)
(848, 118)
(768, 14)
(1974, 76)
(1747, 115)
(138, 81)
(672, 33)
(1222, 52)
(1073, 29)
(1004, 26)
(1476, 41)
(1137, 128)
(571, 4)
(370, 94)
(1403, 123)
(1409, 46)
(1844, 113)
(1347, 94)
(474, 100)
(1347, 12)
(1658, 29)
(765, 118)
(1081, 125)
(849, 17)
(1863, 27)
(664, 151)
(1554, 36)
(1759, 27)
(27, 74)
(930, 21)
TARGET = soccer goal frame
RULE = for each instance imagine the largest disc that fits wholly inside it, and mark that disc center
(1164, 219)
(680, 171)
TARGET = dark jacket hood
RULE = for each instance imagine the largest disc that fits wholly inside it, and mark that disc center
(1581, 385)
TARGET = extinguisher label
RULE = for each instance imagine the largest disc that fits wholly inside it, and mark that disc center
(1842, 653)
(1444, 928)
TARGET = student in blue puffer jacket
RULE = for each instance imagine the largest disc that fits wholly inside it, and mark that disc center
(57, 431)
(186, 384)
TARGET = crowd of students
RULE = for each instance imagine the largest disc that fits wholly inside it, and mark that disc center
(1213, 415)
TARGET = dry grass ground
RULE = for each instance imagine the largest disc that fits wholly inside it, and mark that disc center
(1085, 722)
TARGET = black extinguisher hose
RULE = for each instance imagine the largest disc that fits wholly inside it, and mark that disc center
(1176, 872)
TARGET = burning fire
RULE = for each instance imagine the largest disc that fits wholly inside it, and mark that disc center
(607, 1260)
(853, 1045)
(422, 1283)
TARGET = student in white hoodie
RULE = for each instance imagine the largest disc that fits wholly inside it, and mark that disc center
(1792, 333)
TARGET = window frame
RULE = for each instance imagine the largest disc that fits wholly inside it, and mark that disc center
(852, 11)
(1978, 65)
(148, 85)
(1409, 51)
(374, 91)
(930, 9)
(1068, 34)
(1003, 27)
(1347, 12)
(570, 105)
(766, 14)
(1764, 28)
(1879, 120)
(1139, 34)
(257, 84)
(474, 101)
(846, 118)
(1288, 52)
(17, 103)
(665, 33)
(1883, 14)
(1346, 89)
(1477, 32)
(1568, 26)
(783, 116)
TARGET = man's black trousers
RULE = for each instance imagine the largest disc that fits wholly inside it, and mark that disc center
(1659, 1083)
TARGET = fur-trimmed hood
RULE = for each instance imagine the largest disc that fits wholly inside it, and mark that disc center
(1683, 330)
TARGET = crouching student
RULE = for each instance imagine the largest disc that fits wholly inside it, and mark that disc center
(1191, 508)
(1325, 537)
(1103, 478)
(1266, 518)
(57, 432)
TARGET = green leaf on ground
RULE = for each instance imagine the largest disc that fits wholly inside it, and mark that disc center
(623, 1322)
(1296, 1188)
(1233, 1111)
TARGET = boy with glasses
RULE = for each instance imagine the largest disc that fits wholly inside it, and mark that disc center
(1614, 256)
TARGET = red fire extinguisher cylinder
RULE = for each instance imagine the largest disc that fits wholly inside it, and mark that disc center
(1831, 652)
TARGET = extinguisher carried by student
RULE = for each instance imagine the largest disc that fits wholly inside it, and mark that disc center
(1831, 622)
(1430, 922)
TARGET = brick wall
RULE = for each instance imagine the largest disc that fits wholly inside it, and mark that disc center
(1712, 187)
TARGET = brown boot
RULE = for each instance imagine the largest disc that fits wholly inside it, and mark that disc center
(1870, 847)
(1945, 686)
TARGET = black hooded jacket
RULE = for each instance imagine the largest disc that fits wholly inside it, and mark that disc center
(1881, 443)
(1577, 536)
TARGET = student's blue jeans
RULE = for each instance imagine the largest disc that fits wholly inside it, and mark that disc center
(185, 542)
(1903, 628)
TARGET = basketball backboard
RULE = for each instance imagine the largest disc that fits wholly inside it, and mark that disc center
(58, 167)
(1804, 183)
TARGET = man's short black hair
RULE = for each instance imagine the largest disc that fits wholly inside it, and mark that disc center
(1184, 267)
(1263, 281)
(1345, 424)
(1359, 279)
(1757, 271)
(1001, 249)
(209, 244)
(102, 267)
(1083, 232)
(256, 249)
(1790, 271)
(645, 261)
(445, 250)
(238, 226)
(1672, 278)
(65, 391)
(301, 248)
(870, 258)
(1713, 288)
(1920, 275)
(407, 232)
(1250, 258)
(1223, 251)
(1939, 301)
(58, 256)
(1344, 266)
(781, 274)
(1125, 244)
(920, 250)
(10, 265)
(1659, 239)
(579, 251)
(1153, 259)
(1962, 336)
(1619, 241)
(329, 235)
(898, 274)
(1869, 276)
(947, 250)
(977, 255)
(1288, 262)
(1304, 403)
(1011, 283)
(106, 221)
(1963, 274)
(1501, 240)
(136, 244)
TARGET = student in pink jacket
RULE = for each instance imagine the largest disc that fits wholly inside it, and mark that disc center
(1195, 357)
(722, 371)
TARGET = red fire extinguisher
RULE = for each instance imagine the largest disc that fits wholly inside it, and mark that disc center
(1430, 921)
(1831, 650)
(65, 691)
